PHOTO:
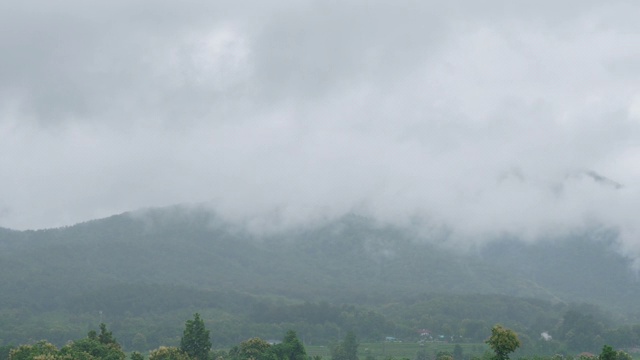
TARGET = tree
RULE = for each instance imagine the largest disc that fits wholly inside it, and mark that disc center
(290, 348)
(29, 352)
(444, 355)
(503, 341)
(252, 349)
(106, 337)
(608, 353)
(95, 346)
(136, 356)
(195, 340)
(92, 349)
(621, 355)
(347, 349)
(167, 353)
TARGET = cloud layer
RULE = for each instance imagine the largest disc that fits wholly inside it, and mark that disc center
(484, 119)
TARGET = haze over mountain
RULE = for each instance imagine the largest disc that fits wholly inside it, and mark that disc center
(352, 259)
(492, 120)
(371, 165)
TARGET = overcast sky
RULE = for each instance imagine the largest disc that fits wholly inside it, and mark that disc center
(485, 117)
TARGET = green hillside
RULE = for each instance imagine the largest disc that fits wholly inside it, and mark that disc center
(143, 270)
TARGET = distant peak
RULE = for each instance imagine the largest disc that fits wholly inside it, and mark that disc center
(601, 179)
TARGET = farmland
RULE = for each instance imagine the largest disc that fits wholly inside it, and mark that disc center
(383, 350)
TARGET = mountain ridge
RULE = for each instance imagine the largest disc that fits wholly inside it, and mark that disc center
(347, 258)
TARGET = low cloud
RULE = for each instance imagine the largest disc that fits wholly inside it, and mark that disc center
(484, 120)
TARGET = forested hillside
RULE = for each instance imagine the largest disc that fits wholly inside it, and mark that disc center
(143, 271)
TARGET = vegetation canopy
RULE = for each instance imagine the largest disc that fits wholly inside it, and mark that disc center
(503, 342)
(196, 341)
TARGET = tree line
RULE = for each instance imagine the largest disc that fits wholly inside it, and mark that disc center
(195, 344)
(459, 319)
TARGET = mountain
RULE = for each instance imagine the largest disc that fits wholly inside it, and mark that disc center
(352, 258)
(180, 259)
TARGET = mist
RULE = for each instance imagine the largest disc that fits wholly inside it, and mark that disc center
(487, 120)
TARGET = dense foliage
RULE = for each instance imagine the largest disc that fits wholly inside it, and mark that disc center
(94, 347)
(503, 342)
(196, 341)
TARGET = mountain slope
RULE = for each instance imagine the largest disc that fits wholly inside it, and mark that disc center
(352, 259)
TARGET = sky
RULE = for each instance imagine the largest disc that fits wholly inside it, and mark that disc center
(485, 118)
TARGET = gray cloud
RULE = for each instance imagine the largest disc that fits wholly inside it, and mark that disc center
(480, 119)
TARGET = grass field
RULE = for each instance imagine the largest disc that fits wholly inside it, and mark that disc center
(383, 350)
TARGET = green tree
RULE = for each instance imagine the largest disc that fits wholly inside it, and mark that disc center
(290, 348)
(621, 355)
(168, 353)
(347, 349)
(196, 341)
(252, 349)
(92, 349)
(607, 353)
(136, 356)
(92, 334)
(106, 337)
(95, 346)
(503, 341)
(29, 352)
